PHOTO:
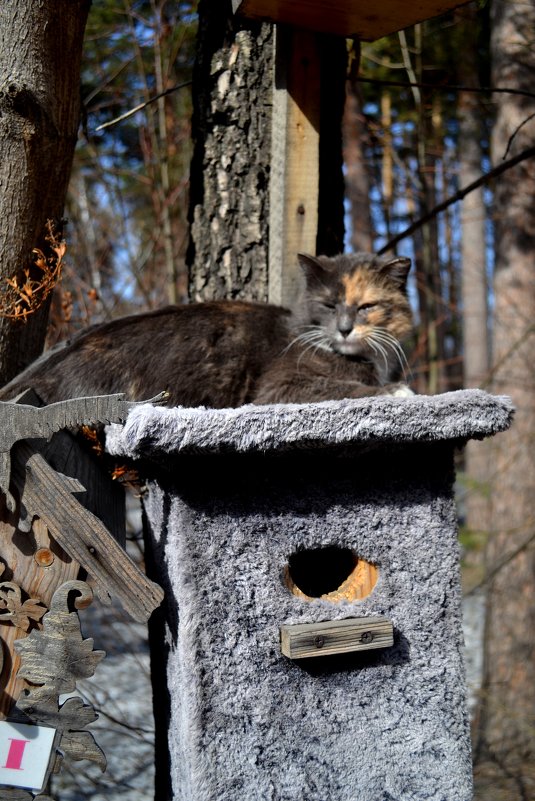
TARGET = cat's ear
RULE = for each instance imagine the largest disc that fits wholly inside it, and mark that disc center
(315, 272)
(397, 270)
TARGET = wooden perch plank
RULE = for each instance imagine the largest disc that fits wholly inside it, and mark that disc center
(46, 494)
(336, 637)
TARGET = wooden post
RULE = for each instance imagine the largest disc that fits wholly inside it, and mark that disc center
(294, 180)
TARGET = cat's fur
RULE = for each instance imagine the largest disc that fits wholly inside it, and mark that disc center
(342, 342)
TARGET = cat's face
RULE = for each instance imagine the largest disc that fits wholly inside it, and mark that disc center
(357, 305)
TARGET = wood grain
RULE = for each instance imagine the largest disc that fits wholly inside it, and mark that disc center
(48, 494)
(350, 18)
(335, 637)
(294, 179)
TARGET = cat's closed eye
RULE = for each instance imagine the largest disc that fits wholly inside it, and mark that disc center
(366, 306)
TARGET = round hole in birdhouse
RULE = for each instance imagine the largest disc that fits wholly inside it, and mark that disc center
(332, 573)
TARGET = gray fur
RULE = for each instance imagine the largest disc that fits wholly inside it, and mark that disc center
(375, 475)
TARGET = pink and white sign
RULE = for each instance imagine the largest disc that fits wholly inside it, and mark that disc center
(24, 754)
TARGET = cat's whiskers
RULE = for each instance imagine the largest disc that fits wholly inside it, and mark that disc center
(388, 342)
(378, 348)
(314, 337)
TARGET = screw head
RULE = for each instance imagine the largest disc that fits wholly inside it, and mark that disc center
(319, 641)
(366, 637)
(44, 557)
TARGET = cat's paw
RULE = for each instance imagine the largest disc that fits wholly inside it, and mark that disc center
(401, 391)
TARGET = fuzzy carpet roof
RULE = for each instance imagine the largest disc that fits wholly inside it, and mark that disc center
(458, 416)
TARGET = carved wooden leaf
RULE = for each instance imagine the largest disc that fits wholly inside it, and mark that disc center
(37, 704)
(14, 609)
(58, 656)
(52, 660)
(81, 745)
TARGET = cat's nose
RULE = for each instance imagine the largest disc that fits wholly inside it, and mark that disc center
(345, 325)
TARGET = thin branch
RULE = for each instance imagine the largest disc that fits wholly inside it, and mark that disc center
(447, 87)
(501, 564)
(142, 106)
(407, 63)
(517, 129)
(482, 181)
(507, 355)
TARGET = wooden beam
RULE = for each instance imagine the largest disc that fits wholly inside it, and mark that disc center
(352, 18)
(294, 177)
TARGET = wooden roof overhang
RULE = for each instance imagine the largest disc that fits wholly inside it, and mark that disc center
(358, 18)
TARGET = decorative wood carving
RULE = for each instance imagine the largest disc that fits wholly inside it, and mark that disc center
(45, 493)
(52, 661)
(37, 578)
(42, 548)
(21, 421)
(14, 609)
(49, 495)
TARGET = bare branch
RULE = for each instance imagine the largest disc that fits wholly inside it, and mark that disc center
(447, 87)
(142, 106)
(501, 564)
(482, 181)
(517, 129)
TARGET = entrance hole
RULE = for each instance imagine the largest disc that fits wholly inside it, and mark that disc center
(332, 573)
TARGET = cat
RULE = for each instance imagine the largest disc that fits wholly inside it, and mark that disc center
(342, 341)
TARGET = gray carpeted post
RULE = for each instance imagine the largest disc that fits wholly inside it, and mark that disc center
(245, 503)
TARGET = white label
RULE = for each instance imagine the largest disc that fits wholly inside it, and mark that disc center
(24, 754)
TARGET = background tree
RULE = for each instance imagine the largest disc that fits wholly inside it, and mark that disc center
(507, 721)
(39, 119)
(472, 152)
(128, 197)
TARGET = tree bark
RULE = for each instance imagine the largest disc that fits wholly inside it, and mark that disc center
(40, 54)
(507, 719)
(229, 206)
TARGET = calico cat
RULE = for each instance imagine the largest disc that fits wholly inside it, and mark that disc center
(343, 341)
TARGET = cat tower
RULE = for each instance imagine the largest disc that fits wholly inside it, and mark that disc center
(312, 619)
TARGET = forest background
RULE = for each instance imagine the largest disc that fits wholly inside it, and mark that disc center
(429, 112)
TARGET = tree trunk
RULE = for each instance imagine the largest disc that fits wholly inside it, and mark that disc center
(40, 53)
(357, 179)
(507, 719)
(476, 347)
(229, 206)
